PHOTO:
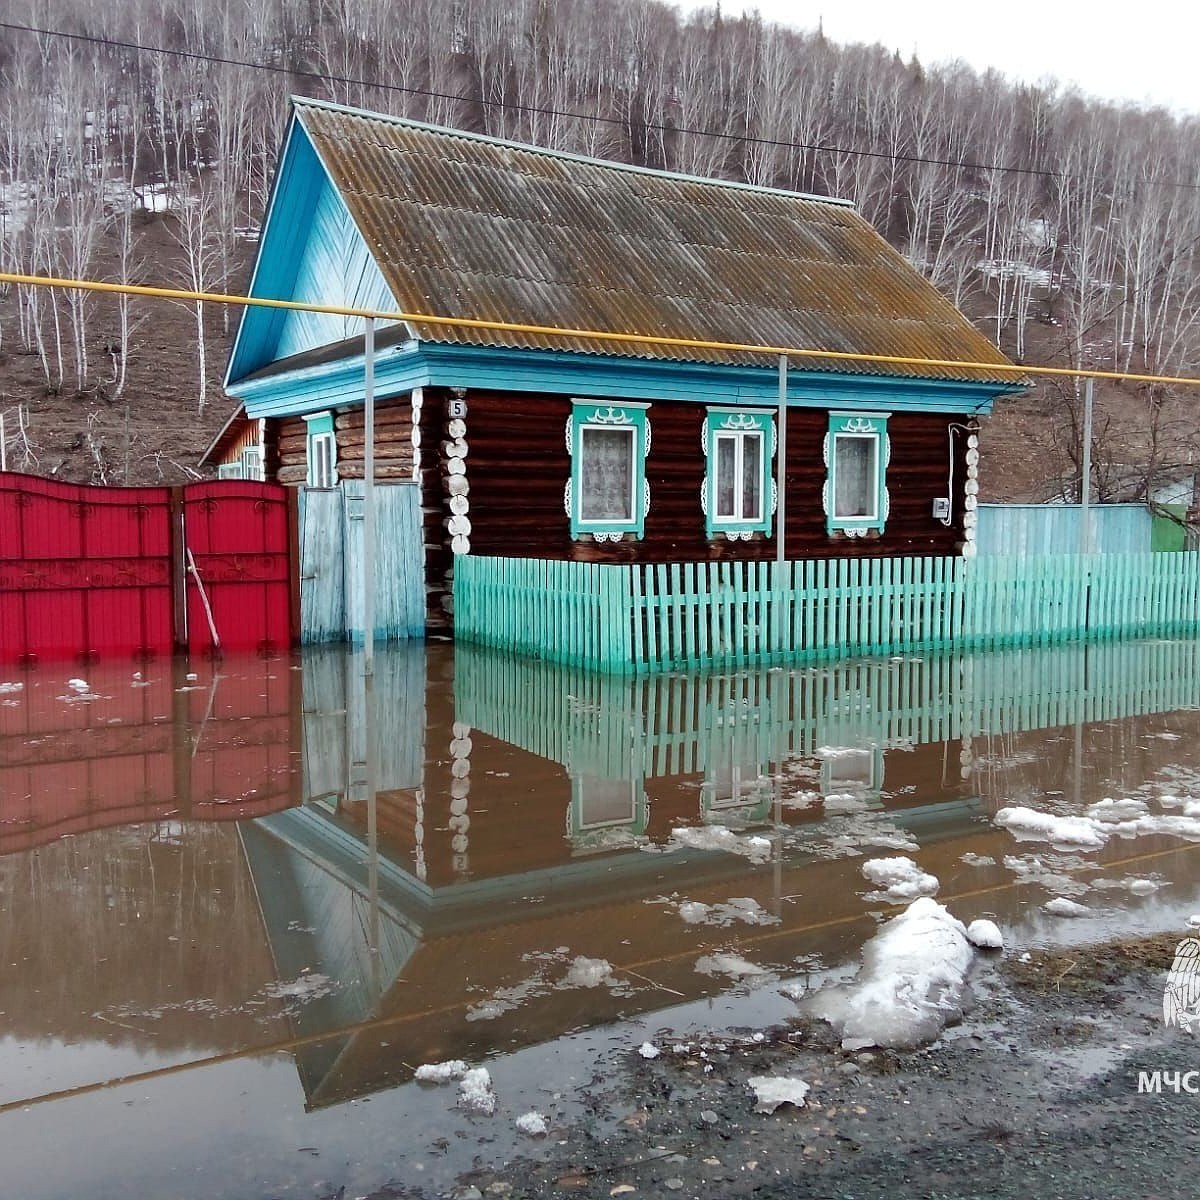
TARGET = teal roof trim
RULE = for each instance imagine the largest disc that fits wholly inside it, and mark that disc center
(310, 249)
(294, 195)
(400, 368)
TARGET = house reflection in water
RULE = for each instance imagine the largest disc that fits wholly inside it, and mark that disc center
(426, 884)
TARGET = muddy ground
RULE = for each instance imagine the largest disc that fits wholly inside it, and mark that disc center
(1034, 1095)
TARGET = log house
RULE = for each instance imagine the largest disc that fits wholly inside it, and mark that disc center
(526, 444)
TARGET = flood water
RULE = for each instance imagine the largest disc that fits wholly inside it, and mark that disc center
(242, 903)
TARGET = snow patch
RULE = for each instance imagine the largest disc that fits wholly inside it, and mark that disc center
(533, 1124)
(972, 859)
(8, 689)
(1060, 906)
(475, 1092)
(649, 1050)
(727, 963)
(899, 879)
(985, 934)
(1029, 825)
(913, 982)
(587, 973)
(1091, 832)
(717, 837)
(306, 987)
(1113, 811)
(1136, 887)
(770, 1091)
(738, 908)
(442, 1072)
(849, 835)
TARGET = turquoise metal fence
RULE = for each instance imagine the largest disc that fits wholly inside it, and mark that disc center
(683, 616)
(1019, 529)
(683, 723)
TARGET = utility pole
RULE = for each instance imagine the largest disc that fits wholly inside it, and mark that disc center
(369, 499)
(1085, 471)
(781, 464)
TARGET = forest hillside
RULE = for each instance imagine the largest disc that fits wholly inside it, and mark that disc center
(137, 144)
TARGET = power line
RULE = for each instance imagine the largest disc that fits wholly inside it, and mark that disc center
(598, 335)
(1076, 339)
(595, 118)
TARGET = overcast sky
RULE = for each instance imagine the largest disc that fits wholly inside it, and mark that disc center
(1143, 52)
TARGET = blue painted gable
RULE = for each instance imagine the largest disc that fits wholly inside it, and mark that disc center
(310, 251)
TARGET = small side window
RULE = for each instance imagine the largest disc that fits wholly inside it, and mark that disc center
(855, 496)
(230, 470)
(322, 451)
(607, 495)
(252, 463)
(738, 496)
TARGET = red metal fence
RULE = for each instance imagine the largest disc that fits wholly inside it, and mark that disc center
(145, 746)
(90, 572)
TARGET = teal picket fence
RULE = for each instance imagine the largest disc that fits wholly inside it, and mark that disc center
(624, 618)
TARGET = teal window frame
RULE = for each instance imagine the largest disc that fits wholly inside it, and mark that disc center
(588, 416)
(252, 463)
(858, 426)
(321, 433)
(230, 470)
(739, 424)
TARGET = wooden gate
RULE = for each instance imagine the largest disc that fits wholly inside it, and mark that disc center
(91, 572)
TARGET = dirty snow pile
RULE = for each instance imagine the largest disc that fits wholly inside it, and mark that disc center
(717, 837)
(912, 984)
(1101, 821)
(898, 879)
(770, 1091)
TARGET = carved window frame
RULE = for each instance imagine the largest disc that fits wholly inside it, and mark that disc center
(859, 426)
(741, 424)
(626, 415)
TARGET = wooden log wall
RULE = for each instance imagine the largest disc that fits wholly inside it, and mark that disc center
(518, 466)
(394, 448)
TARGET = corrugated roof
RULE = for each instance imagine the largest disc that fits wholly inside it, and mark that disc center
(468, 226)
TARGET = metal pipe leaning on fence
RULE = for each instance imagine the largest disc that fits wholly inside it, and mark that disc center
(194, 572)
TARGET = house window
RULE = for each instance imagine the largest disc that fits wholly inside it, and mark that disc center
(738, 496)
(252, 462)
(857, 450)
(607, 495)
(322, 451)
(230, 470)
